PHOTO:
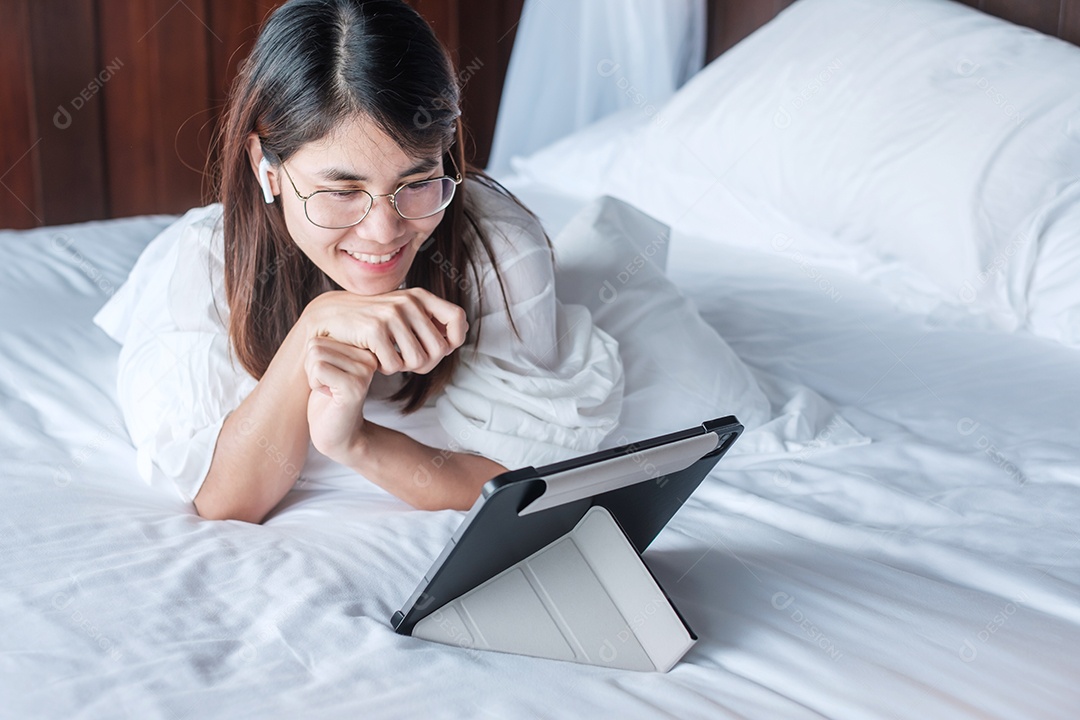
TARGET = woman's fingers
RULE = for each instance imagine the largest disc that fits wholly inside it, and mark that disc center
(420, 341)
(339, 369)
(333, 381)
(419, 344)
(406, 330)
(440, 326)
(411, 352)
(454, 325)
(340, 377)
(382, 344)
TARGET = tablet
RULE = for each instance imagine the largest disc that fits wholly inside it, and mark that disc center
(640, 485)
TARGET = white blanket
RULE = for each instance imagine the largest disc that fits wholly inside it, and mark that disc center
(931, 573)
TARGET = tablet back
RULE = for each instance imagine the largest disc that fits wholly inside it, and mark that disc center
(495, 535)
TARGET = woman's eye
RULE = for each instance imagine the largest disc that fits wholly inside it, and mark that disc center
(414, 188)
(343, 194)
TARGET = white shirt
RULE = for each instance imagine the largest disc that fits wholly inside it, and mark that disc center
(549, 395)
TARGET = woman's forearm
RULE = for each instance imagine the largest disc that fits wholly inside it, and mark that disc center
(263, 444)
(423, 476)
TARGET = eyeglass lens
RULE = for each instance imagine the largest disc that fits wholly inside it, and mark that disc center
(334, 209)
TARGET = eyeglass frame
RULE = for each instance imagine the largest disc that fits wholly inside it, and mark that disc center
(457, 180)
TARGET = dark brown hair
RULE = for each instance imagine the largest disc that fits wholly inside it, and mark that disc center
(315, 64)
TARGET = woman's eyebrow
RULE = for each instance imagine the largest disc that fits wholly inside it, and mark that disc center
(340, 174)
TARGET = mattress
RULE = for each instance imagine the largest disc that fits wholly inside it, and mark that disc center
(930, 572)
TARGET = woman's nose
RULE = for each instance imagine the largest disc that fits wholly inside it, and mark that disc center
(382, 224)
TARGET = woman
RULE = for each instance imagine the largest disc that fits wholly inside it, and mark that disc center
(366, 274)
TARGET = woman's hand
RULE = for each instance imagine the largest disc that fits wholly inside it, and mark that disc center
(339, 376)
(408, 330)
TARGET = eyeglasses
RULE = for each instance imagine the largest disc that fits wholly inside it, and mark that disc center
(337, 209)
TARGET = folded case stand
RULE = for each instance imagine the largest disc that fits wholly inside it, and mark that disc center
(585, 595)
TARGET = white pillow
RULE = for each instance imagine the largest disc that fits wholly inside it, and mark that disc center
(581, 163)
(678, 371)
(1054, 295)
(923, 132)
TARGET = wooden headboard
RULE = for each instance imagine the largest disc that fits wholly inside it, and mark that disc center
(732, 20)
(107, 108)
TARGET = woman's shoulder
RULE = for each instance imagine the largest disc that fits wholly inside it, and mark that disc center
(182, 263)
(192, 249)
(198, 232)
(203, 227)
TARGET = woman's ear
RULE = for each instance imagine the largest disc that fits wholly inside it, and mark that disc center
(265, 173)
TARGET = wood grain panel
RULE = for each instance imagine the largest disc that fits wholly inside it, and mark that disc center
(487, 31)
(444, 17)
(140, 86)
(479, 35)
(183, 49)
(154, 108)
(20, 201)
(67, 104)
(237, 25)
(139, 139)
(131, 118)
(732, 20)
(1042, 15)
(1070, 21)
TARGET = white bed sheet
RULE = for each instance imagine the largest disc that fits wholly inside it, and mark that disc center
(931, 573)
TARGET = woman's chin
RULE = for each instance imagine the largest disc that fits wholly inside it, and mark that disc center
(367, 289)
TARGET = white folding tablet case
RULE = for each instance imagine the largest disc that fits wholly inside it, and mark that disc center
(548, 561)
(586, 597)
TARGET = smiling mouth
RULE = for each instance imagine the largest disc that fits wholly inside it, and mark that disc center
(375, 259)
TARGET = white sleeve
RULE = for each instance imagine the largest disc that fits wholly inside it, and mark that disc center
(176, 378)
(551, 394)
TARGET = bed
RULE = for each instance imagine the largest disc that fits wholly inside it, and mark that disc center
(890, 306)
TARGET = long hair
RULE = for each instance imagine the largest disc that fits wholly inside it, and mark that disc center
(317, 63)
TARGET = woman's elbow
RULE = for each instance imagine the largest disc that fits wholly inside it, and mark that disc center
(429, 503)
(208, 509)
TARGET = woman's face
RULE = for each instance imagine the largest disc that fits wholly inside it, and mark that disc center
(357, 154)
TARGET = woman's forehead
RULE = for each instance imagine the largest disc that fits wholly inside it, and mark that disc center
(358, 149)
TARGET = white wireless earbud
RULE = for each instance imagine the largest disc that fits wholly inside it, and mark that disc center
(264, 181)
